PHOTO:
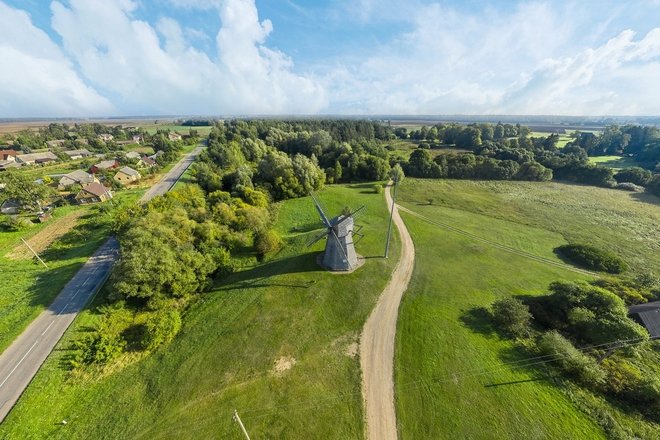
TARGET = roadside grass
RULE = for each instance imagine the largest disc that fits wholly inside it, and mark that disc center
(615, 162)
(224, 358)
(453, 374)
(27, 287)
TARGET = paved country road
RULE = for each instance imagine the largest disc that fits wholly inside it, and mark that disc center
(377, 342)
(23, 358)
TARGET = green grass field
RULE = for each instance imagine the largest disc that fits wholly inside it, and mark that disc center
(27, 287)
(615, 162)
(453, 372)
(181, 129)
(224, 358)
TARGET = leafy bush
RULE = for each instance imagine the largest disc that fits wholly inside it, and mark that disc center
(161, 328)
(511, 315)
(378, 188)
(571, 360)
(267, 242)
(629, 186)
(636, 175)
(593, 258)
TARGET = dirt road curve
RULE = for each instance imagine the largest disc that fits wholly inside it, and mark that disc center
(377, 343)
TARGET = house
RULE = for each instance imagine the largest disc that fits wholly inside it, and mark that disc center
(7, 164)
(157, 154)
(133, 155)
(105, 137)
(138, 139)
(146, 162)
(10, 207)
(93, 193)
(77, 154)
(104, 165)
(127, 175)
(76, 177)
(173, 136)
(8, 155)
(36, 158)
(55, 143)
(647, 315)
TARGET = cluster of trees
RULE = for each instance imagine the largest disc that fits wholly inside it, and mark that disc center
(588, 315)
(171, 250)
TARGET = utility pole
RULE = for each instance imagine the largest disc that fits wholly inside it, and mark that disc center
(35, 254)
(389, 227)
(237, 419)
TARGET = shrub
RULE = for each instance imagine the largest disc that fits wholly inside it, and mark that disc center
(571, 360)
(267, 242)
(629, 186)
(378, 188)
(512, 316)
(636, 175)
(653, 185)
(161, 328)
(593, 258)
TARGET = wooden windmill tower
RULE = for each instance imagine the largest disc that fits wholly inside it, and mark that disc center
(339, 254)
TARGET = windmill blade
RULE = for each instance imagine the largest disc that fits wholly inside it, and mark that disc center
(341, 248)
(320, 210)
(317, 238)
(358, 212)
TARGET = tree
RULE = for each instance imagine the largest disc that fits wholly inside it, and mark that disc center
(24, 190)
(396, 174)
(636, 175)
(512, 315)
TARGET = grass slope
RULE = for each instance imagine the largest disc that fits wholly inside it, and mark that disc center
(615, 162)
(452, 380)
(225, 355)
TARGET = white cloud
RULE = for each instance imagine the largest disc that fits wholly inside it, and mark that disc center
(532, 59)
(36, 78)
(125, 57)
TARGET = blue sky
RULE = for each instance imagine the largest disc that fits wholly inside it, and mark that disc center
(240, 57)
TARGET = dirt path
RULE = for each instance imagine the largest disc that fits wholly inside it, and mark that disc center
(377, 343)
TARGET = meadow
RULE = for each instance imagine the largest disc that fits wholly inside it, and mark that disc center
(615, 162)
(455, 376)
(276, 340)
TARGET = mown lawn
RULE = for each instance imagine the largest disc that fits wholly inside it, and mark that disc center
(615, 162)
(454, 374)
(286, 308)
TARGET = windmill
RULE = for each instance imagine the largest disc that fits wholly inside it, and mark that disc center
(339, 252)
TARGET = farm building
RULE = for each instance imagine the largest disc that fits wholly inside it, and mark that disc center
(648, 315)
(78, 154)
(93, 193)
(55, 143)
(76, 177)
(146, 162)
(104, 165)
(10, 207)
(36, 158)
(127, 175)
(8, 155)
(7, 164)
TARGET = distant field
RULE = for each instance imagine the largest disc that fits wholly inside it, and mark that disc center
(452, 380)
(285, 309)
(563, 138)
(181, 129)
(616, 162)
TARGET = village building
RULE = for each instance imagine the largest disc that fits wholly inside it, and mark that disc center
(138, 139)
(10, 207)
(647, 315)
(127, 175)
(105, 137)
(104, 165)
(76, 177)
(146, 162)
(55, 143)
(157, 154)
(36, 158)
(7, 164)
(8, 155)
(93, 193)
(78, 154)
(173, 136)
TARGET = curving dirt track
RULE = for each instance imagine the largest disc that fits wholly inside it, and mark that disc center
(377, 343)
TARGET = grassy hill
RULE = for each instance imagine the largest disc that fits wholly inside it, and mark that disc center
(454, 375)
(276, 341)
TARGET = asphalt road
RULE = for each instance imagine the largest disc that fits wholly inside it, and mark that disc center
(22, 359)
(168, 181)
